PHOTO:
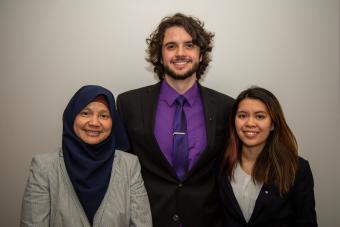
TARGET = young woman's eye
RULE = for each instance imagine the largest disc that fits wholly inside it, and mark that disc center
(241, 116)
(260, 117)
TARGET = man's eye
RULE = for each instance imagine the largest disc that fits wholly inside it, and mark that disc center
(170, 46)
(190, 45)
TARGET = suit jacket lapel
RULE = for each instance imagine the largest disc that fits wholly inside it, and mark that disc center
(209, 106)
(149, 107)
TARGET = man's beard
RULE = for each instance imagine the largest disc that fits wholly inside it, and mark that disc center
(184, 76)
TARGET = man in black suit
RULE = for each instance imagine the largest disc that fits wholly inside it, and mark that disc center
(179, 49)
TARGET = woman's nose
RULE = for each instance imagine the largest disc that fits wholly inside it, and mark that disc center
(250, 122)
(94, 121)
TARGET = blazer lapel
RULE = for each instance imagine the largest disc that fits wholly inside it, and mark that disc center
(149, 107)
(72, 192)
(230, 200)
(261, 201)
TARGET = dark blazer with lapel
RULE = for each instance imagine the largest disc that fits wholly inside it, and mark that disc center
(296, 209)
(194, 201)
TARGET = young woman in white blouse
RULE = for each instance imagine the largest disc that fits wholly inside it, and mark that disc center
(263, 180)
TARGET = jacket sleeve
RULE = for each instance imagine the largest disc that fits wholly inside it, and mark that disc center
(122, 114)
(35, 209)
(140, 207)
(304, 200)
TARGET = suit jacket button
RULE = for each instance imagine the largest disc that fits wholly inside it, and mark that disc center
(175, 217)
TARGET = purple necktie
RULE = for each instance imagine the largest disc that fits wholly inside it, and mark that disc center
(180, 139)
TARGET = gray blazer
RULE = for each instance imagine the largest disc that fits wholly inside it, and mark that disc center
(50, 200)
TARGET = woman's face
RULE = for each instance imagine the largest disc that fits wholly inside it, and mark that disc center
(93, 124)
(253, 123)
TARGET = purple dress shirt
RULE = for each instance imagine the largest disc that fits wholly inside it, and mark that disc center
(194, 113)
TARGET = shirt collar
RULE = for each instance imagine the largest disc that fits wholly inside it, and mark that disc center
(169, 95)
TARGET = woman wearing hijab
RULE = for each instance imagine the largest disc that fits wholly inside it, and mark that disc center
(264, 182)
(90, 181)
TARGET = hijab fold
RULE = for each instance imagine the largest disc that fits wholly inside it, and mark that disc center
(89, 166)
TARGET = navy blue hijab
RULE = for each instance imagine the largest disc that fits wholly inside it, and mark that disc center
(89, 166)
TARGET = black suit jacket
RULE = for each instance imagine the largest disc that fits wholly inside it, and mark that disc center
(194, 200)
(296, 209)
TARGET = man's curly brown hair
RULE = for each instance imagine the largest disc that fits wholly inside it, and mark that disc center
(192, 26)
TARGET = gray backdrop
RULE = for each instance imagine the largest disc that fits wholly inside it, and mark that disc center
(49, 48)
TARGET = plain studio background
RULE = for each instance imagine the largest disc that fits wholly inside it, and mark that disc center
(50, 48)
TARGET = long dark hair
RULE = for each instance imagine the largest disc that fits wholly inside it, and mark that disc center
(194, 27)
(278, 161)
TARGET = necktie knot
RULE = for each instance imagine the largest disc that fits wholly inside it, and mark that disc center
(180, 100)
